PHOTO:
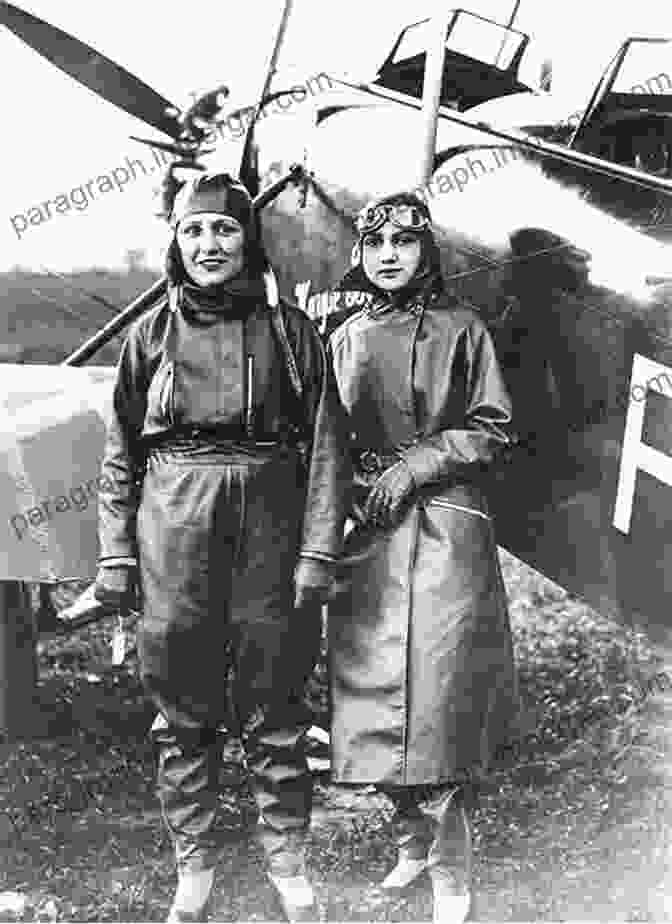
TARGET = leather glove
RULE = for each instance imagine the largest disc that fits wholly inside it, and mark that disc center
(388, 495)
(312, 582)
(114, 584)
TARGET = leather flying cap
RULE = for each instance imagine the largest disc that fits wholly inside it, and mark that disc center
(219, 193)
(213, 192)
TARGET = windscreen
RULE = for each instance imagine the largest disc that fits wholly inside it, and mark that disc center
(646, 68)
(468, 35)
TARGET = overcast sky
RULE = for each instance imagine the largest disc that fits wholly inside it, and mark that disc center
(58, 135)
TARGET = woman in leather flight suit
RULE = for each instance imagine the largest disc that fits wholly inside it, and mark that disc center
(424, 687)
(230, 468)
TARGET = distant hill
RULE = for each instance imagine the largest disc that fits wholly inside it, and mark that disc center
(44, 318)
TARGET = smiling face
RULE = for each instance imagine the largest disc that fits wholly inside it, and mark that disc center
(211, 246)
(391, 256)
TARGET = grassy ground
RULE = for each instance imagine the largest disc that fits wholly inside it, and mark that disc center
(575, 826)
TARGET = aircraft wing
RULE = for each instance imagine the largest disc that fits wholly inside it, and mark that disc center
(52, 429)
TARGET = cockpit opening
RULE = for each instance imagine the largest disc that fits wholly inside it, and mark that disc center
(482, 60)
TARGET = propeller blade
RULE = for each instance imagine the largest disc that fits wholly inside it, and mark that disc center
(92, 69)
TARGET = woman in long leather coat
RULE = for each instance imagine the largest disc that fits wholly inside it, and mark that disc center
(230, 468)
(422, 664)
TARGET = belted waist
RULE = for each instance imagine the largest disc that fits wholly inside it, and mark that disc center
(216, 439)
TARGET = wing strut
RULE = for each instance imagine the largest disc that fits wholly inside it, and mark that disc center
(431, 92)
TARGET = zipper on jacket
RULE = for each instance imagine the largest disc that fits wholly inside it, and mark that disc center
(420, 316)
(249, 397)
(167, 396)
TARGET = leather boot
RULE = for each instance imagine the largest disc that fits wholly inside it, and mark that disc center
(406, 871)
(414, 834)
(191, 898)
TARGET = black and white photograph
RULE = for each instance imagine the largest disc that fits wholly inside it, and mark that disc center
(336, 462)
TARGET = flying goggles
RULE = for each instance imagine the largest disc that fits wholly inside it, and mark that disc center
(408, 217)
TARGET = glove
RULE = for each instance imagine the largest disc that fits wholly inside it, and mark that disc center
(312, 582)
(388, 495)
(113, 586)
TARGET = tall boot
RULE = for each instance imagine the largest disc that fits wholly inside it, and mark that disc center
(274, 742)
(450, 862)
(188, 762)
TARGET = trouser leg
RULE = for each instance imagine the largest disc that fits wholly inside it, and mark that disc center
(282, 786)
(270, 678)
(187, 778)
(276, 650)
(274, 662)
(185, 527)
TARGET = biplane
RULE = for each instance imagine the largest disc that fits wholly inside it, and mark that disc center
(556, 230)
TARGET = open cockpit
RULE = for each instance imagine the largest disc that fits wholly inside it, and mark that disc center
(482, 60)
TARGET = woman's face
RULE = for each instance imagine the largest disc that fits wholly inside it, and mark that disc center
(211, 246)
(391, 256)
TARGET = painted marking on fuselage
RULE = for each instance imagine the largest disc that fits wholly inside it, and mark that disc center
(636, 455)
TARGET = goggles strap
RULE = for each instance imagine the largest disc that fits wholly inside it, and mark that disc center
(405, 217)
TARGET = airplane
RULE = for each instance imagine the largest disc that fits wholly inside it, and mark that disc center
(533, 211)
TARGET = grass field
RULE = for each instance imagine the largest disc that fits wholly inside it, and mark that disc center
(83, 841)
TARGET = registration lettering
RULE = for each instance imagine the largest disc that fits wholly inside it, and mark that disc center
(636, 455)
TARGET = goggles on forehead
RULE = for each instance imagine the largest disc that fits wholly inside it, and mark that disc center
(408, 217)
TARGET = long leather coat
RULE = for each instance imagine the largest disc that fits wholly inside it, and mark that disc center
(423, 677)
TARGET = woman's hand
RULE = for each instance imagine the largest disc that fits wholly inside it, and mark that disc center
(114, 585)
(389, 494)
(313, 582)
